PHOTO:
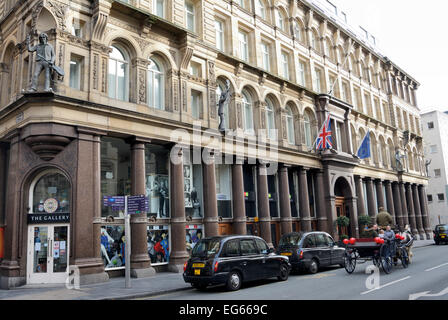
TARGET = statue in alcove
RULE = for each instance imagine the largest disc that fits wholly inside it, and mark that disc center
(45, 58)
(223, 102)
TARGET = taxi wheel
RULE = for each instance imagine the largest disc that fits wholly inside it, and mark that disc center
(284, 273)
(234, 281)
(314, 267)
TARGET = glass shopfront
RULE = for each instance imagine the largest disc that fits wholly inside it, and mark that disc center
(51, 194)
(272, 195)
(157, 161)
(158, 244)
(113, 245)
(115, 171)
(249, 191)
(194, 233)
(293, 196)
(223, 177)
(193, 190)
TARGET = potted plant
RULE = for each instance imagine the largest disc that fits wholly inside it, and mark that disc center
(342, 222)
(364, 221)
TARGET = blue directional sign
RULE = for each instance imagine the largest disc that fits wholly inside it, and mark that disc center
(137, 204)
(116, 203)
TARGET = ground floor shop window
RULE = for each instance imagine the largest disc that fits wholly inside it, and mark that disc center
(224, 190)
(292, 194)
(51, 193)
(113, 245)
(194, 233)
(158, 244)
(115, 171)
(193, 189)
(272, 195)
(249, 191)
(157, 180)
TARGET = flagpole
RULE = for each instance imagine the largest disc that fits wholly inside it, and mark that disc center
(343, 64)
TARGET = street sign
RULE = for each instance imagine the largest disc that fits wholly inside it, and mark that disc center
(137, 204)
(116, 203)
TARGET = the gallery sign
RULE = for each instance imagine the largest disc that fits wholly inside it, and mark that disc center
(48, 218)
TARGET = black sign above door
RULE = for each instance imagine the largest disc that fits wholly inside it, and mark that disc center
(48, 218)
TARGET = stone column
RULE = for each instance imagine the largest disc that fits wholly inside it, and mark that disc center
(263, 204)
(239, 207)
(360, 195)
(210, 201)
(404, 207)
(304, 201)
(410, 202)
(379, 194)
(178, 251)
(3, 174)
(418, 212)
(10, 275)
(322, 219)
(140, 262)
(370, 198)
(87, 207)
(425, 216)
(397, 204)
(390, 200)
(285, 203)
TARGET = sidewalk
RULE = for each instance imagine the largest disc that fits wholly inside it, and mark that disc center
(160, 283)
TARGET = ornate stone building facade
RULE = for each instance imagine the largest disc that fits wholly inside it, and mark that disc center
(141, 75)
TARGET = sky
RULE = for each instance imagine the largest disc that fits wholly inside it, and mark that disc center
(413, 35)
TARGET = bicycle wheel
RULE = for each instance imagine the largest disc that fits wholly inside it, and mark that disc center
(404, 257)
(386, 260)
(349, 262)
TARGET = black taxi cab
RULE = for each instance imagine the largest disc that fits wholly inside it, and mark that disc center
(232, 260)
(310, 251)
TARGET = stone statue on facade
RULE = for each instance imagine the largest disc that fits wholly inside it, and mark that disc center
(398, 158)
(45, 58)
(223, 102)
(427, 163)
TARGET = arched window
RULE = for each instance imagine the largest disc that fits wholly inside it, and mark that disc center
(156, 85)
(314, 41)
(281, 20)
(270, 119)
(290, 126)
(248, 113)
(118, 80)
(261, 9)
(50, 193)
(307, 130)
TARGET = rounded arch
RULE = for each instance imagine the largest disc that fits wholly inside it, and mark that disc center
(127, 43)
(382, 151)
(353, 65)
(299, 30)
(254, 91)
(410, 158)
(163, 53)
(249, 98)
(354, 138)
(309, 127)
(284, 16)
(391, 146)
(315, 40)
(342, 188)
(374, 148)
(9, 67)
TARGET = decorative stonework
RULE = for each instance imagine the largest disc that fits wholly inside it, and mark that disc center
(103, 75)
(143, 44)
(47, 147)
(240, 116)
(36, 11)
(95, 71)
(60, 11)
(142, 85)
(175, 95)
(184, 96)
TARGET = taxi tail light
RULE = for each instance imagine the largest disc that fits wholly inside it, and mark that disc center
(185, 266)
(216, 266)
(301, 254)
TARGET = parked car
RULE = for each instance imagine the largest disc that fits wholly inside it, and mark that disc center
(441, 233)
(232, 260)
(310, 251)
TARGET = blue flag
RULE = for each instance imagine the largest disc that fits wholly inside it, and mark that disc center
(364, 148)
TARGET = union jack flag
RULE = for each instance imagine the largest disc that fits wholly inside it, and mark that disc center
(324, 139)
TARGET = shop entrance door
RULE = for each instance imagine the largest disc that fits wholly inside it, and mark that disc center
(47, 254)
(340, 211)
